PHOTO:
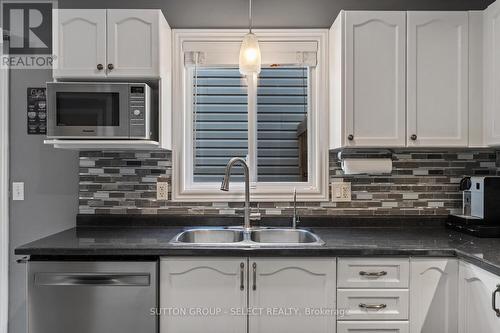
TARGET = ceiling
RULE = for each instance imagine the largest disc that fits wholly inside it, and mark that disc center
(268, 13)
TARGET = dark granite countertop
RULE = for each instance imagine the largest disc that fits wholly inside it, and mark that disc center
(434, 241)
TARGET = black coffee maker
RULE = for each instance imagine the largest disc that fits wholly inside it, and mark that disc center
(481, 207)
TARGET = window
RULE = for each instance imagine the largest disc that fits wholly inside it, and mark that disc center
(282, 111)
(220, 122)
(277, 121)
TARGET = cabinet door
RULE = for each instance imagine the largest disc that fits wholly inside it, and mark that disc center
(79, 42)
(437, 79)
(133, 41)
(492, 73)
(203, 295)
(294, 295)
(475, 297)
(433, 295)
(375, 78)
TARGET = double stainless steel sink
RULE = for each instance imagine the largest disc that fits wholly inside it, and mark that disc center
(240, 237)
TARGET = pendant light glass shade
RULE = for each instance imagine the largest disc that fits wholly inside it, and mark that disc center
(250, 60)
(250, 51)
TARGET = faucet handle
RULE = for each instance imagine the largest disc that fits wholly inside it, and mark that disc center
(296, 218)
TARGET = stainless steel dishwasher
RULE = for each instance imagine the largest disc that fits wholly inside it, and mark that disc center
(92, 297)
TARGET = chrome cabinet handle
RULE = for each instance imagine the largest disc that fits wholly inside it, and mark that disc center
(100, 67)
(254, 270)
(494, 300)
(350, 137)
(373, 274)
(413, 137)
(242, 276)
(373, 306)
(111, 67)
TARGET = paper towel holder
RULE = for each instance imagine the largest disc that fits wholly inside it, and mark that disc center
(366, 162)
(365, 153)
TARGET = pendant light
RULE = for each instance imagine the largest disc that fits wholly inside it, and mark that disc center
(250, 60)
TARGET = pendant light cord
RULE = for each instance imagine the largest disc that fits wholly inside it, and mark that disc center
(250, 15)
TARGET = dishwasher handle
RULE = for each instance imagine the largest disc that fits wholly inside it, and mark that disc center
(92, 279)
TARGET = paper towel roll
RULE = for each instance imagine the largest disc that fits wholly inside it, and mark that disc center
(371, 166)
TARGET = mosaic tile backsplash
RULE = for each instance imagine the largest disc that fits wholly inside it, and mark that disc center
(421, 183)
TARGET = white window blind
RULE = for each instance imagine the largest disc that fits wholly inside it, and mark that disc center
(220, 123)
(282, 109)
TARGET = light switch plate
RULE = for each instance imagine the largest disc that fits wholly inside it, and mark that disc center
(341, 192)
(18, 191)
(161, 191)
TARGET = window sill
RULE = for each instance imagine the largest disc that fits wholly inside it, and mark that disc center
(270, 192)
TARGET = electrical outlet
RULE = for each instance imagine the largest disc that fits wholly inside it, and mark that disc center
(162, 191)
(341, 192)
(18, 191)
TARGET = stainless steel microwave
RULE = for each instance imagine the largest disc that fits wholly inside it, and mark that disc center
(99, 110)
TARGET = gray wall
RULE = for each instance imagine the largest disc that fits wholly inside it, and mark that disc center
(51, 189)
(268, 13)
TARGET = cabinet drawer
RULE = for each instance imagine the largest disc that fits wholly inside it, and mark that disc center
(373, 326)
(373, 273)
(373, 304)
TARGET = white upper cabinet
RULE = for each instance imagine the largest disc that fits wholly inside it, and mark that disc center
(305, 284)
(79, 42)
(491, 30)
(433, 295)
(476, 287)
(375, 78)
(110, 43)
(133, 42)
(401, 79)
(437, 88)
(368, 67)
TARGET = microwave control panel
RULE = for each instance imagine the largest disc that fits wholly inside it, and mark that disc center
(138, 114)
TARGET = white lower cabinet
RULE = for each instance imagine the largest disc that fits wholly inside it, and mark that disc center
(382, 295)
(373, 327)
(433, 295)
(373, 295)
(264, 295)
(303, 286)
(198, 295)
(476, 293)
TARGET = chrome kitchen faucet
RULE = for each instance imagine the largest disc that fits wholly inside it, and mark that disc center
(225, 184)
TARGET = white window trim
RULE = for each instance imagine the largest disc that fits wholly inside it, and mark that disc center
(4, 193)
(316, 189)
